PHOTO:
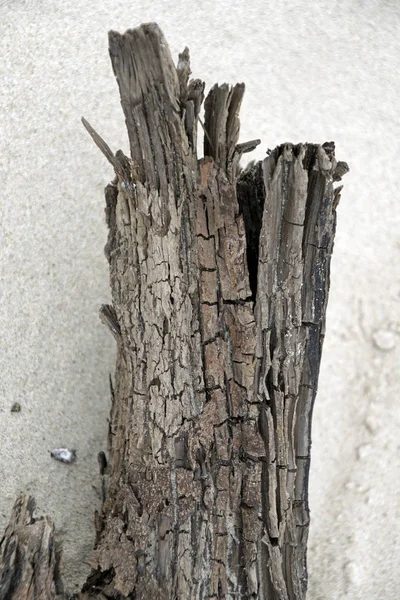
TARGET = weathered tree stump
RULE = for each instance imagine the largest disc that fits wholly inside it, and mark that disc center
(219, 291)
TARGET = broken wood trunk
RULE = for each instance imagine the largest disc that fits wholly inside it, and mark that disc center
(219, 281)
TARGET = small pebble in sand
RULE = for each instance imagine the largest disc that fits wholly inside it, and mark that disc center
(64, 455)
(384, 339)
(16, 407)
(364, 451)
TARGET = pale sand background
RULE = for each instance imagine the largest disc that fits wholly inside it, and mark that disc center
(314, 71)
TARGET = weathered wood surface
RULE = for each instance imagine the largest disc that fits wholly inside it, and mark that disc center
(219, 291)
(29, 556)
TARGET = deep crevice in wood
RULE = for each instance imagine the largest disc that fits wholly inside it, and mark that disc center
(251, 196)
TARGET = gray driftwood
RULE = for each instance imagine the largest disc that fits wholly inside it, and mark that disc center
(219, 285)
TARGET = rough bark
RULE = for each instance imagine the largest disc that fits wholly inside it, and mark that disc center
(29, 556)
(219, 291)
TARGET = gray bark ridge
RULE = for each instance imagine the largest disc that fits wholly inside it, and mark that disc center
(293, 189)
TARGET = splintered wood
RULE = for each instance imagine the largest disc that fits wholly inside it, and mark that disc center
(219, 283)
(30, 557)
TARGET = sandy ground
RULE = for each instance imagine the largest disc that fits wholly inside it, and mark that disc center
(314, 71)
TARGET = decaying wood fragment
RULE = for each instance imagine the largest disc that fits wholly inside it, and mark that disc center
(29, 556)
(219, 290)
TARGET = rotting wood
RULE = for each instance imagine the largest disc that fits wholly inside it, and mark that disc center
(30, 556)
(219, 290)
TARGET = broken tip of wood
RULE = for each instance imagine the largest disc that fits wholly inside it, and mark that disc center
(247, 146)
(103, 146)
(108, 316)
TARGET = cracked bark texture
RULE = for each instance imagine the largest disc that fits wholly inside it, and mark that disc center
(219, 284)
(30, 557)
